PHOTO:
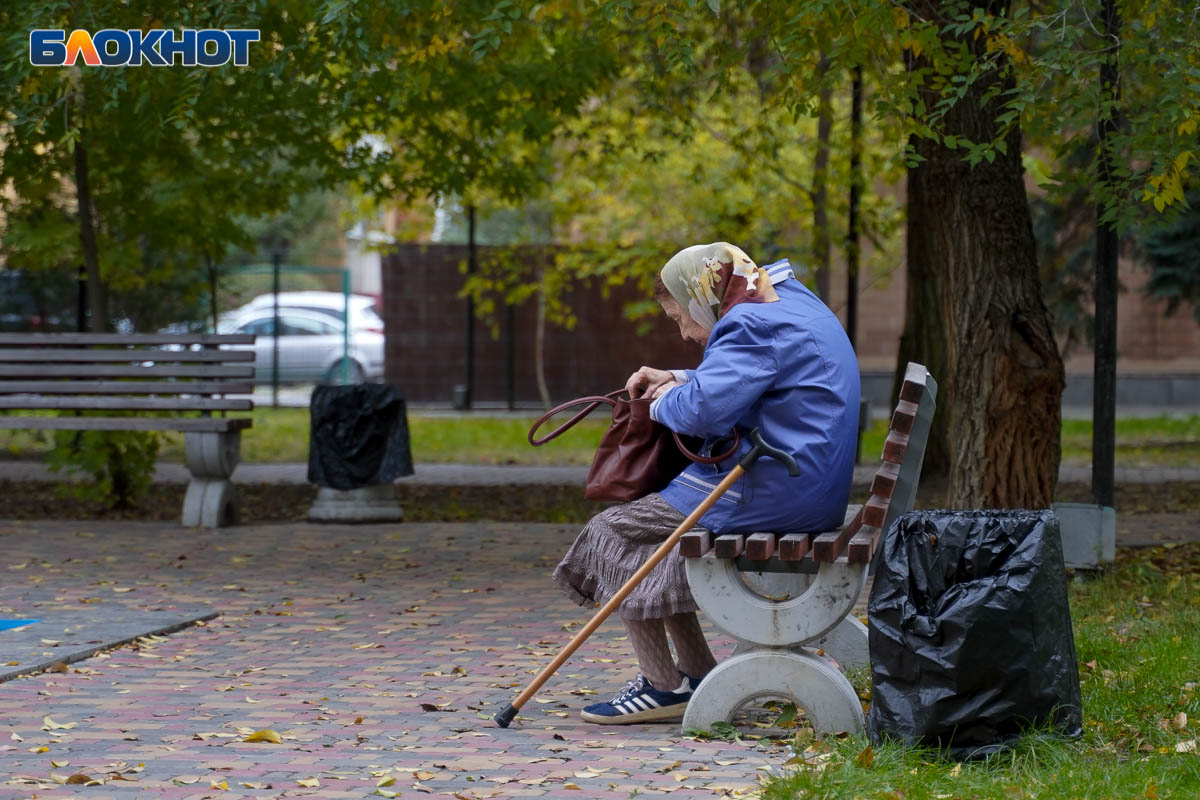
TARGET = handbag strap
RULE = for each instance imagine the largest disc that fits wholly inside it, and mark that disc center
(699, 459)
(592, 403)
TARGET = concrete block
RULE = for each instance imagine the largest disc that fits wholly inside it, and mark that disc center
(368, 504)
(1089, 534)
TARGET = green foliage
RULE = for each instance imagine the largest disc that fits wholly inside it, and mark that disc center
(1173, 249)
(120, 463)
(178, 159)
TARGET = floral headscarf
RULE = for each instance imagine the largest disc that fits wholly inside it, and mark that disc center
(709, 279)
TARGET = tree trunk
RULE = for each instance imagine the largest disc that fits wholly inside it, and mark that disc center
(821, 241)
(975, 312)
(539, 345)
(87, 238)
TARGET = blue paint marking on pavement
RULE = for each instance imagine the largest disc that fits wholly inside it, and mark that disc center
(5, 624)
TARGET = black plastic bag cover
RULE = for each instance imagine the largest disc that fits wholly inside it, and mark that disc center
(358, 436)
(970, 634)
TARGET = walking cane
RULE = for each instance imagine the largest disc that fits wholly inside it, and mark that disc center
(759, 448)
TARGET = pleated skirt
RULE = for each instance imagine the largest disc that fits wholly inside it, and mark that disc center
(613, 545)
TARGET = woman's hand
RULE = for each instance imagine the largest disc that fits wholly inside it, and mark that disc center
(666, 387)
(649, 382)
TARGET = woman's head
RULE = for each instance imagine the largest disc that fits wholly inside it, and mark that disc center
(702, 282)
(689, 329)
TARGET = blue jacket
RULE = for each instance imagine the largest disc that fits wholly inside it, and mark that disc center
(788, 369)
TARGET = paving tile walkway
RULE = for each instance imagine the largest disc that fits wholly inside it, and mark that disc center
(377, 652)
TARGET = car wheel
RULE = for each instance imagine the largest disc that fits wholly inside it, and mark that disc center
(354, 373)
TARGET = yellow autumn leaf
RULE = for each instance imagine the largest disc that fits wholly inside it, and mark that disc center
(386, 793)
(386, 781)
(222, 785)
(311, 783)
(60, 763)
(265, 735)
(50, 725)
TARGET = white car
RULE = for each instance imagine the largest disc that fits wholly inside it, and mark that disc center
(363, 313)
(310, 345)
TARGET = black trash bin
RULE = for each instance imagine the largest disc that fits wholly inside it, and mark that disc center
(970, 634)
(358, 436)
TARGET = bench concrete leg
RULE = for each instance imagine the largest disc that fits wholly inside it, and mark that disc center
(780, 619)
(211, 499)
(846, 644)
(810, 681)
(209, 503)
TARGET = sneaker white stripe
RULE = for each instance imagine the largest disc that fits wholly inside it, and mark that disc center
(639, 703)
(627, 708)
(650, 701)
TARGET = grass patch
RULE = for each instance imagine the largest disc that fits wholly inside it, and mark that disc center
(1137, 634)
(1149, 442)
(280, 435)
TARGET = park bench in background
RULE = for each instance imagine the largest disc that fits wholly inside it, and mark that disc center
(168, 374)
(787, 599)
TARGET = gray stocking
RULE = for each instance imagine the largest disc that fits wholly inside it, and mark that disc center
(695, 656)
(649, 640)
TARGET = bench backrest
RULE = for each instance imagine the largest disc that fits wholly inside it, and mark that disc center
(894, 487)
(125, 372)
(893, 491)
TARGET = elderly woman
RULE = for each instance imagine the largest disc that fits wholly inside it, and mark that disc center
(776, 359)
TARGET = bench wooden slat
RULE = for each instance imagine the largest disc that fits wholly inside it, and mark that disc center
(75, 339)
(884, 482)
(828, 546)
(729, 545)
(862, 545)
(760, 546)
(32, 402)
(125, 371)
(86, 387)
(195, 424)
(904, 417)
(894, 447)
(794, 546)
(694, 544)
(45, 355)
(874, 511)
(913, 387)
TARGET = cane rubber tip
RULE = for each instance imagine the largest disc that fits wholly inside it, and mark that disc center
(506, 716)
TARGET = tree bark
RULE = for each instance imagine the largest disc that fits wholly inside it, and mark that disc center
(975, 314)
(539, 345)
(87, 238)
(822, 241)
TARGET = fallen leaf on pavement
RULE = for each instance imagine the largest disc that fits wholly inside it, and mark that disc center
(311, 783)
(265, 735)
(50, 725)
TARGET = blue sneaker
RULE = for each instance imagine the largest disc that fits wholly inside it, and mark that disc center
(639, 701)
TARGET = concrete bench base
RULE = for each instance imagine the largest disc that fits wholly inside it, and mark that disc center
(368, 504)
(211, 499)
(810, 681)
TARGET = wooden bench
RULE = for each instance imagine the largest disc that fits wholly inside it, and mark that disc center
(787, 598)
(168, 374)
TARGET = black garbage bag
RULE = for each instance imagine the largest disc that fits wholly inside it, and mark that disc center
(358, 436)
(970, 634)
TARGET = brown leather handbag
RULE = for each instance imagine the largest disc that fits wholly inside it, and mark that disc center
(636, 455)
